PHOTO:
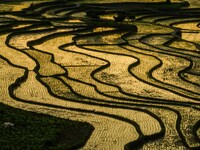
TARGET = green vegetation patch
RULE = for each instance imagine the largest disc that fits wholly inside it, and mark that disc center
(27, 130)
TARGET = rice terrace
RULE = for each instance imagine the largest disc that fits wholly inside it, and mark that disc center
(99, 74)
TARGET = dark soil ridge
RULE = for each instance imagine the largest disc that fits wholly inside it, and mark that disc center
(141, 5)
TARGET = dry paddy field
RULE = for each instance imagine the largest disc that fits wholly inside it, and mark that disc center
(130, 70)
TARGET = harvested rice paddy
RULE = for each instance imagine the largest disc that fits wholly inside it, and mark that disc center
(129, 69)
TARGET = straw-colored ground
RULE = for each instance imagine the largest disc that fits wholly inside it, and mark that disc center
(136, 81)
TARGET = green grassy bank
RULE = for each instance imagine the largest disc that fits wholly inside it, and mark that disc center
(20, 130)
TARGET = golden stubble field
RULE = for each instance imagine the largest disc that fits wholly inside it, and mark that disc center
(133, 74)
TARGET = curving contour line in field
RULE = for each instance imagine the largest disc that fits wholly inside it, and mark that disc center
(131, 70)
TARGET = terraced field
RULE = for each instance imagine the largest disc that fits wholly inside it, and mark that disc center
(131, 70)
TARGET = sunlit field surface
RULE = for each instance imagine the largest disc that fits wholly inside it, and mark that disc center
(131, 70)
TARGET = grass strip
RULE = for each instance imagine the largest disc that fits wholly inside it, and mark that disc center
(21, 129)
